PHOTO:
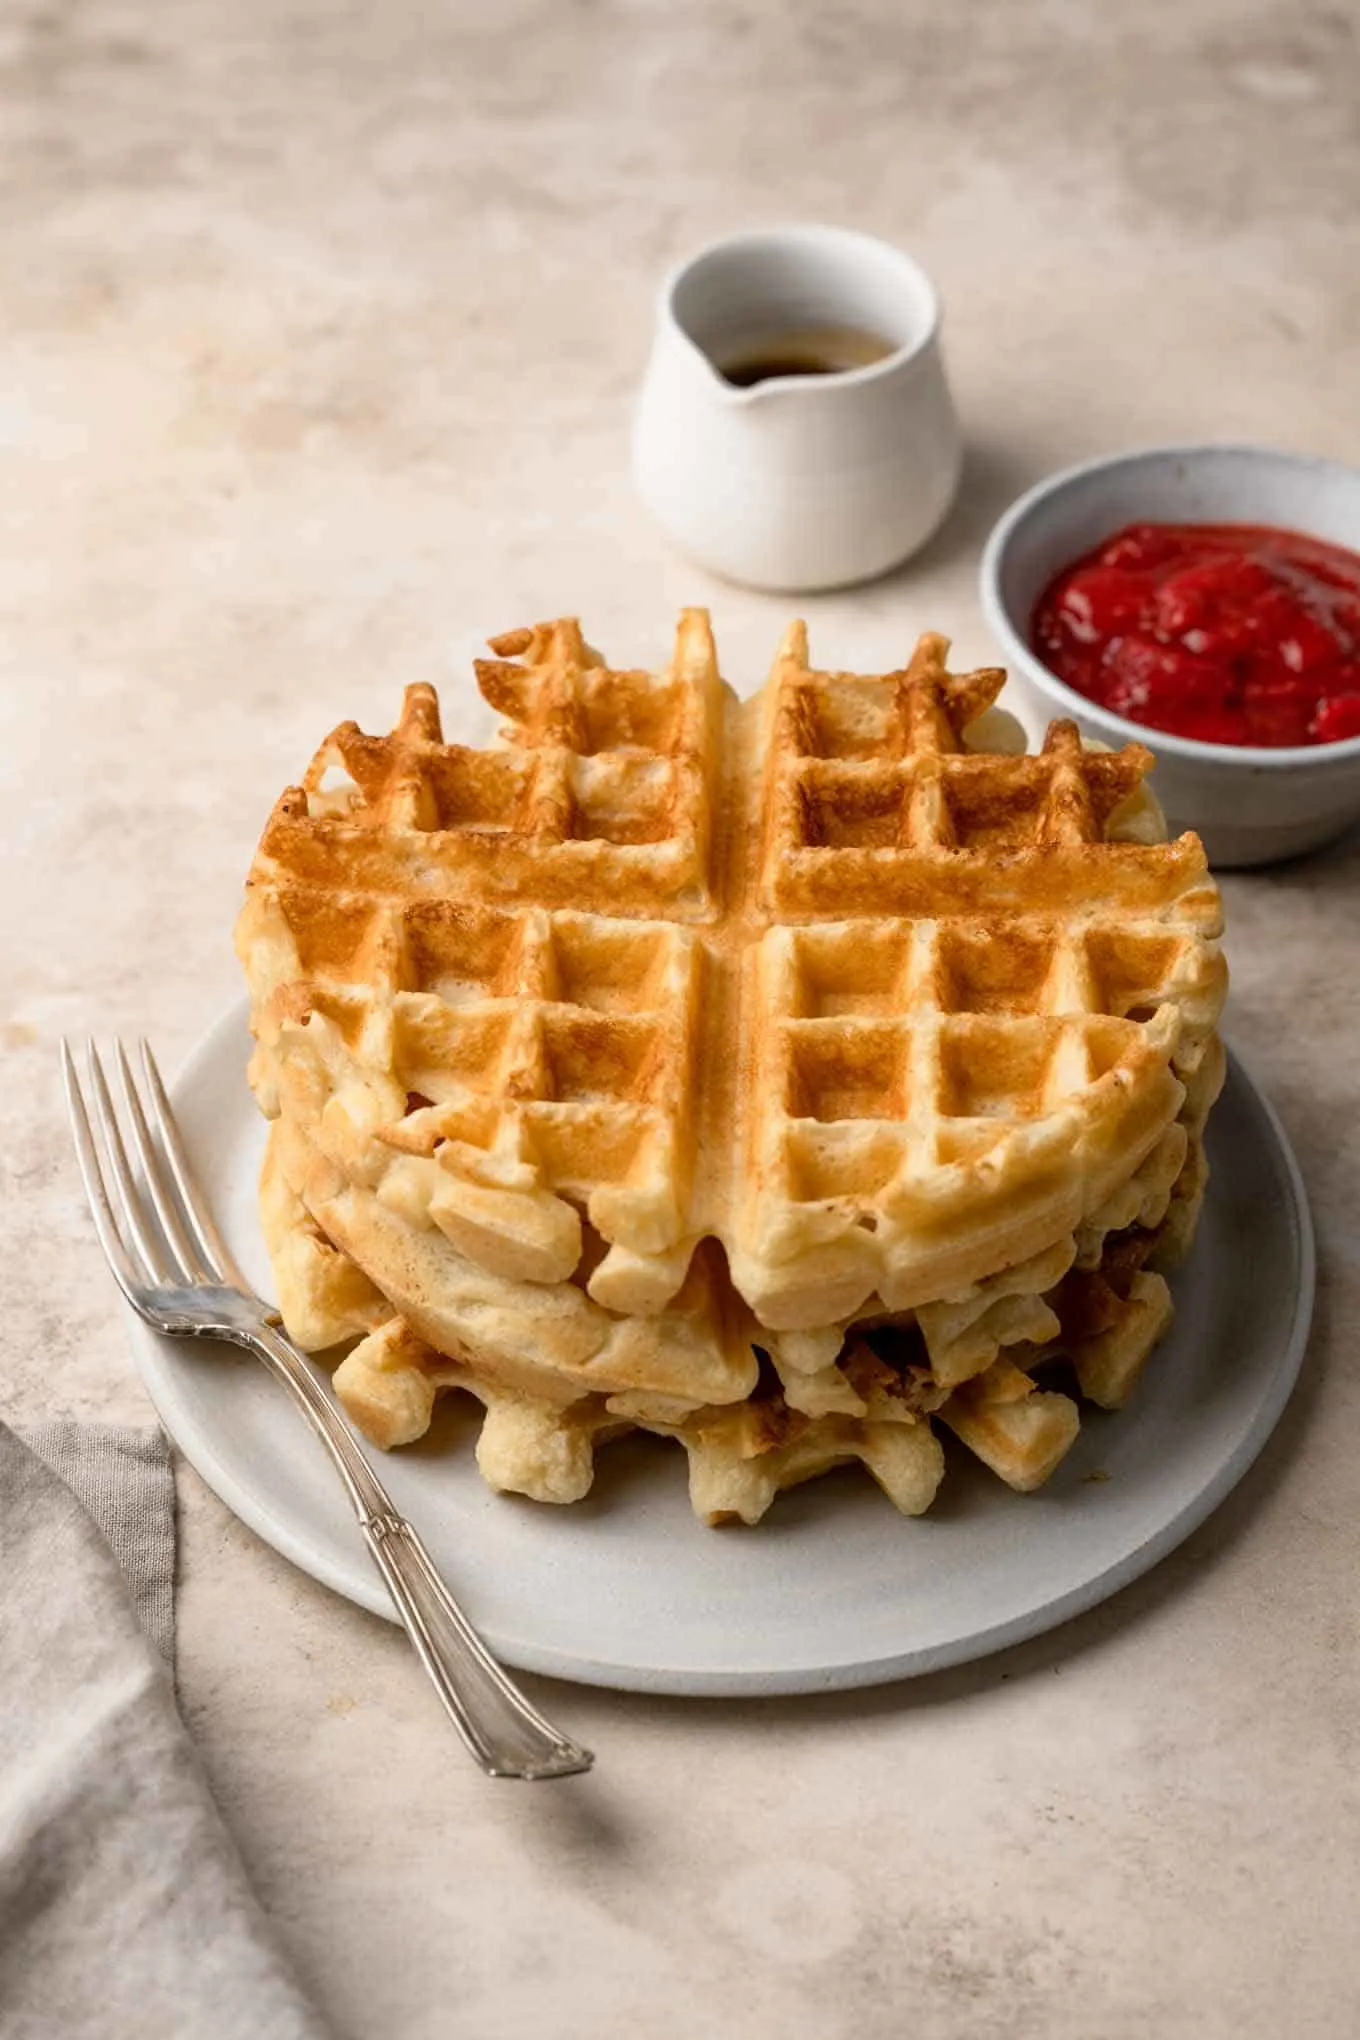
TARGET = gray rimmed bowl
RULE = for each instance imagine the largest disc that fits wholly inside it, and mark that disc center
(1250, 805)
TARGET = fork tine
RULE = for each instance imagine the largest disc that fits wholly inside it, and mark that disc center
(126, 1195)
(212, 1248)
(191, 1267)
(128, 1277)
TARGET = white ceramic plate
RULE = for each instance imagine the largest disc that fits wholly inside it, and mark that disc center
(835, 1588)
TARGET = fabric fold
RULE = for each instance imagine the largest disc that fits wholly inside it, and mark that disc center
(124, 1907)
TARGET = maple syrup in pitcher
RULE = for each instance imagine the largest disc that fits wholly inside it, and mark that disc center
(801, 366)
(809, 350)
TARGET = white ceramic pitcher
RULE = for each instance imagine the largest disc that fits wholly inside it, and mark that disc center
(800, 481)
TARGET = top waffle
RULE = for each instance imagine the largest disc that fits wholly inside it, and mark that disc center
(817, 975)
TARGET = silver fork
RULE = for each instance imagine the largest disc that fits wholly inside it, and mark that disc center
(173, 1267)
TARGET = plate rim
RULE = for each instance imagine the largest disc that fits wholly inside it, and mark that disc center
(158, 1363)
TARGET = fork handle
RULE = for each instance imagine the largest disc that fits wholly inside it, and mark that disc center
(508, 1737)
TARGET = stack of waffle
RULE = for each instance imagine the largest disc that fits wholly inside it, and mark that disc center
(791, 1077)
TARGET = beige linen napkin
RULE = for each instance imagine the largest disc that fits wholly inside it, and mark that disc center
(121, 1477)
(124, 1909)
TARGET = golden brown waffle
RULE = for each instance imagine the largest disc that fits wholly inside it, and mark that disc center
(551, 1341)
(808, 976)
(970, 1363)
(601, 796)
(965, 1334)
(742, 1454)
(657, 1067)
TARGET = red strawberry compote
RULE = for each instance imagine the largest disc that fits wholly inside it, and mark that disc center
(1232, 633)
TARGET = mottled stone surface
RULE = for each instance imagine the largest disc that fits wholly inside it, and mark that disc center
(318, 327)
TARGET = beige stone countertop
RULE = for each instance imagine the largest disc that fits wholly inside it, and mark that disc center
(319, 324)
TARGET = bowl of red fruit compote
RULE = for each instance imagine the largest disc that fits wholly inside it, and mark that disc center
(1205, 601)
